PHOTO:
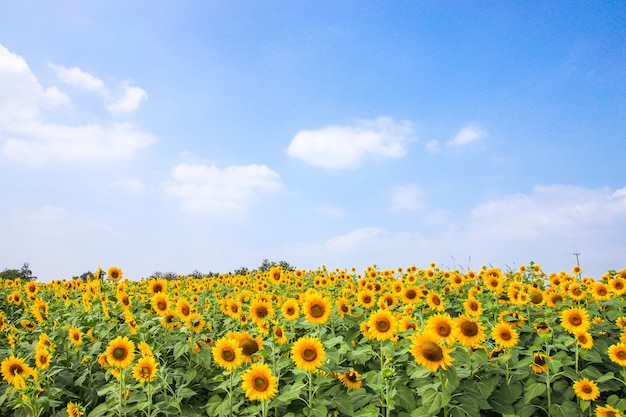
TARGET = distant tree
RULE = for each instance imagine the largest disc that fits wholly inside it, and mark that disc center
(241, 271)
(165, 275)
(25, 274)
(266, 265)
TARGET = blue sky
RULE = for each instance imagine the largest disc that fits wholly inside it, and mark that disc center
(210, 135)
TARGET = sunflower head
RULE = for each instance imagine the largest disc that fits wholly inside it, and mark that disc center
(258, 383)
(382, 325)
(227, 353)
(308, 353)
(145, 370)
(428, 352)
(120, 352)
(586, 389)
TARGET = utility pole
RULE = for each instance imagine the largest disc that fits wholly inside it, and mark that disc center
(576, 254)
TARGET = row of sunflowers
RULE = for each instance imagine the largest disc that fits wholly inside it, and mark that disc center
(408, 342)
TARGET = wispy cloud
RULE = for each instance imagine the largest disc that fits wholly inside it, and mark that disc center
(467, 135)
(80, 79)
(546, 225)
(406, 197)
(338, 147)
(221, 192)
(31, 135)
(126, 98)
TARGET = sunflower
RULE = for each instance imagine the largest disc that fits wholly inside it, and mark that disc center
(617, 353)
(290, 309)
(410, 294)
(575, 320)
(45, 342)
(169, 321)
(184, 310)
(279, 335)
(42, 358)
(473, 307)
(157, 286)
(114, 273)
(366, 298)
(316, 308)
(145, 369)
(75, 336)
(540, 362)
(160, 303)
(542, 327)
(120, 352)
(344, 307)
(351, 379)
(601, 291)
(586, 389)
(249, 345)
(505, 335)
(435, 301)
(145, 349)
(427, 352)
(73, 410)
(261, 310)
(618, 285)
(3, 321)
(308, 353)
(14, 370)
(536, 297)
(382, 325)
(259, 383)
(227, 353)
(584, 340)
(607, 411)
(441, 324)
(469, 331)
(28, 325)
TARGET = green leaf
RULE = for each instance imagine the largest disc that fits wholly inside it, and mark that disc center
(344, 405)
(533, 390)
(100, 410)
(405, 397)
(369, 411)
(184, 392)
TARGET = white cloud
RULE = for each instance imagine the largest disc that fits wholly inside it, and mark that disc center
(546, 225)
(133, 185)
(356, 240)
(406, 197)
(219, 192)
(433, 146)
(80, 79)
(127, 99)
(28, 133)
(336, 147)
(467, 135)
(45, 143)
(330, 210)
(130, 101)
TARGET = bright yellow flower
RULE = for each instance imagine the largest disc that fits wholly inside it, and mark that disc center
(441, 324)
(73, 410)
(308, 353)
(575, 320)
(382, 325)
(120, 352)
(351, 379)
(114, 273)
(586, 390)
(227, 353)
(505, 335)
(316, 308)
(75, 336)
(617, 353)
(14, 371)
(469, 331)
(42, 358)
(427, 351)
(145, 369)
(259, 383)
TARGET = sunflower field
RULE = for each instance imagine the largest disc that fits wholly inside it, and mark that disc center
(409, 342)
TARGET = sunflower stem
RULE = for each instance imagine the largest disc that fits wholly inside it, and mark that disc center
(230, 394)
